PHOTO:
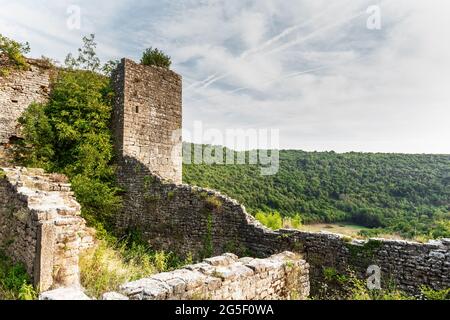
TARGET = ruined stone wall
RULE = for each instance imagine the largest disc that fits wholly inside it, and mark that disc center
(40, 225)
(147, 117)
(18, 90)
(187, 219)
(282, 276)
(404, 264)
(191, 220)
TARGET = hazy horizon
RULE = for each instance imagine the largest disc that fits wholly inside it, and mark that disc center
(323, 151)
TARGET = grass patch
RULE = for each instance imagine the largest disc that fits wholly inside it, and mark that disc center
(430, 294)
(347, 286)
(113, 262)
(213, 203)
(15, 52)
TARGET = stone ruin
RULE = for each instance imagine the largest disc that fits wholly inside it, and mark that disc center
(225, 277)
(173, 216)
(40, 225)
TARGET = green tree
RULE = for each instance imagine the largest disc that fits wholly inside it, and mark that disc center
(87, 57)
(109, 67)
(70, 134)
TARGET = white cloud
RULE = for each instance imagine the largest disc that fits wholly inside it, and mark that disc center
(310, 68)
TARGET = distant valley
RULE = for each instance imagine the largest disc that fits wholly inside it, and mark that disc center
(403, 194)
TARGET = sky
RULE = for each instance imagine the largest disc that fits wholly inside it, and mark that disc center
(338, 75)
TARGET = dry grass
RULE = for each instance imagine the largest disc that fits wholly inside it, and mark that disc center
(104, 268)
(113, 262)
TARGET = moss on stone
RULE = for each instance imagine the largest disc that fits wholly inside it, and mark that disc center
(170, 195)
(148, 181)
(151, 198)
(363, 253)
(208, 247)
(213, 202)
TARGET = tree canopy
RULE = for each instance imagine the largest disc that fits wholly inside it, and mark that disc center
(406, 194)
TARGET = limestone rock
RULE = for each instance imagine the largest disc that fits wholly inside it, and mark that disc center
(114, 296)
(64, 294)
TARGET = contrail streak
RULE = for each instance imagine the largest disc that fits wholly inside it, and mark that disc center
(290, 75)
(250, 52)
(313, 34)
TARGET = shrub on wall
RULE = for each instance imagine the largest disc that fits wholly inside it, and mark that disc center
(15, 52)
(155, 57)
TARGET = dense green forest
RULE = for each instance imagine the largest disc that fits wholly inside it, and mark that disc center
(394, 193)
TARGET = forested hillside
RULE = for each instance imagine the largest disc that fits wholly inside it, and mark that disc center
(406, 194)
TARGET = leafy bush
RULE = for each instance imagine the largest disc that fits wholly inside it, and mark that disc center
(70, 134)
(15, 283)
(155, 57)
(87, 58)
(430, 294)
(15, 52)
(273, 220)
(293, 222)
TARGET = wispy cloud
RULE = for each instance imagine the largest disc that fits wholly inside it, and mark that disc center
(310, 68)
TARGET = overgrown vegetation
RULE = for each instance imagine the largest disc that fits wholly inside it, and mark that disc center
(388, 193)
(430, 294)
(340, 286)
(208, 246)
(88, 60)
(155, 57)
(15, 284)
(275, 221)
(15, 52)
(359, 291)
(70, 135)
(115, 261)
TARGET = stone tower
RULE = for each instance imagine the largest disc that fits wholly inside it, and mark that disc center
(147, 120)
